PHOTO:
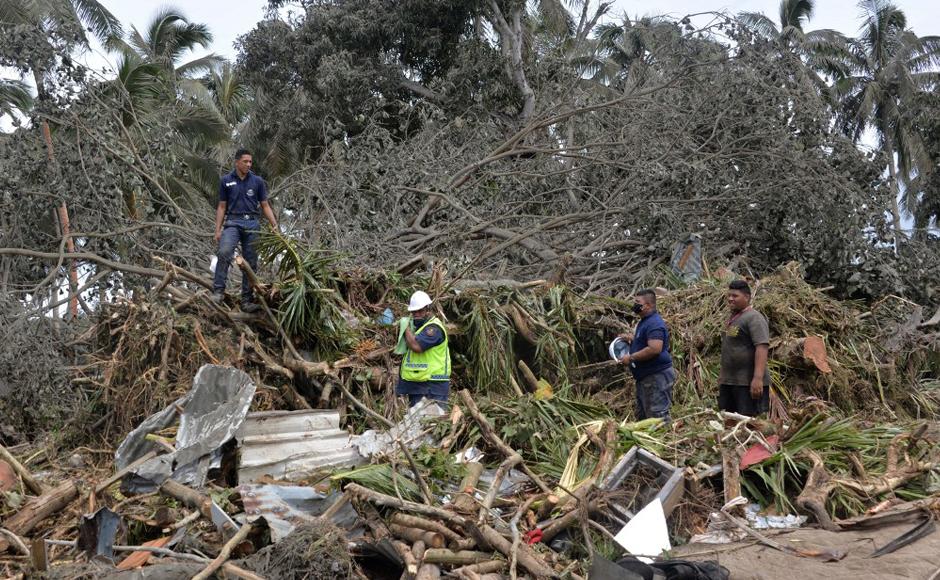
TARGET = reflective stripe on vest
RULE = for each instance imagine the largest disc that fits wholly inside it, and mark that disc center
(430, 365)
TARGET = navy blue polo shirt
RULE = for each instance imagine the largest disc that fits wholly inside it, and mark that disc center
(242, 196)
(653, 327)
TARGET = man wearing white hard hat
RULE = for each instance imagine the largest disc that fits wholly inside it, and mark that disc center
(425, 365)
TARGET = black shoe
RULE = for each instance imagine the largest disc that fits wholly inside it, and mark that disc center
(250, 307)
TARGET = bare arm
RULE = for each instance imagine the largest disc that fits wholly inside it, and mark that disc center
(412, 341)
(269, 214)
(760, 366)
(219, 219)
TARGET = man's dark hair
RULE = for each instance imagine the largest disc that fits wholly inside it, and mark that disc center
(740, 286)
(240, 152)
(648, 294)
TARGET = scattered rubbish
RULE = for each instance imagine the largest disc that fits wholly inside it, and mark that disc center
(387, 318)
(209, 415)
(410, 431)
(290, 445)
(667, 486)
(687, 258)
(97, 532)
(759, 452)
(760, 521)
(286, 507)
(646, 534)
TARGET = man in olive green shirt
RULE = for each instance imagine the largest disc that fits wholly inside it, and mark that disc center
(744, 380)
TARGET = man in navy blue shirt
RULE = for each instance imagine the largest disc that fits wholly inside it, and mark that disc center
(649, 359)
(242, 197)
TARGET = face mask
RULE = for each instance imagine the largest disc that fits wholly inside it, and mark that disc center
(419, 322)
(637, 308)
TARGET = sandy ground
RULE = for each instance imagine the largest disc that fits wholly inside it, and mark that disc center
(918, 561)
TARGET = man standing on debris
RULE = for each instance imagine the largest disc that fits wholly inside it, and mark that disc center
(242, 197)
(649, 359)
(744, 380)
(425, 366)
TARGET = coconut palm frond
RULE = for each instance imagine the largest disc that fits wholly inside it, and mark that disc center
(15, 94)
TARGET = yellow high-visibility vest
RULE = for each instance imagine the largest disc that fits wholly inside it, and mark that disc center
(430, 365)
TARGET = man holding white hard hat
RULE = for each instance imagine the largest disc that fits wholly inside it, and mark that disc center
(425, 364)
(649, 360)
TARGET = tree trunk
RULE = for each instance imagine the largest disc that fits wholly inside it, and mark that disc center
(895, 193)
(38, 509)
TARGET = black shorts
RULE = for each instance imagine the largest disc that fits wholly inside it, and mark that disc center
(737, 399)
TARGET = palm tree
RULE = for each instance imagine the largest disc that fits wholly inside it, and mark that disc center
(889, 67)
(821, 50)
(627, 51)
(14, 95)
(168, 37)
(70, 17)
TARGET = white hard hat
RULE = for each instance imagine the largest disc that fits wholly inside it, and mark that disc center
(418, 301)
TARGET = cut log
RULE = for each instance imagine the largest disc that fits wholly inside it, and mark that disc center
(190, 497)
(28, 479)
(411, 563)
(378, 498)
(431, 539)
(428, 572)
(464, 501)
(38, 509)
(486, 567)
(38, 555)
(731, 473)
(427, 525)
(452, 558)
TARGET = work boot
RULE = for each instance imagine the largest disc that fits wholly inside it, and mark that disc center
(250, 307)
(217, 297)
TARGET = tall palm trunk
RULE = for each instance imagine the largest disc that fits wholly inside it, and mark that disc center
(895, 192)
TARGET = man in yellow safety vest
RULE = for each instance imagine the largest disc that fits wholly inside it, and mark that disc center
(425, 366)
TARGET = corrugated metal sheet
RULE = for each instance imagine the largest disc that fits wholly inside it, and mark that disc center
(291, 445)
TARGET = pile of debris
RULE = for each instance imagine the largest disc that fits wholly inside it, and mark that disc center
(251, 450)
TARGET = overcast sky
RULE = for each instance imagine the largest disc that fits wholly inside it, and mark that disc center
(229, 19)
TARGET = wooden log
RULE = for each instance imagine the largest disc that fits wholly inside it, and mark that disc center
(548, 504)
(731, 473)
(427, 525)
(38, 509)
(521, 324)
(225, 554)
(486, 567)
(38, 555)
(529, 376)
(411, 563)
(464, 501)
(432, 539)
(190, 497)
(428, 572)
(452, 558)
(356, 490)
(525, 555)
(418, 549)
(121, 473)
(565, 521)
(27, 477)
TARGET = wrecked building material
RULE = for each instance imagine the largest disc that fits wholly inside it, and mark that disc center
(290, 445)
